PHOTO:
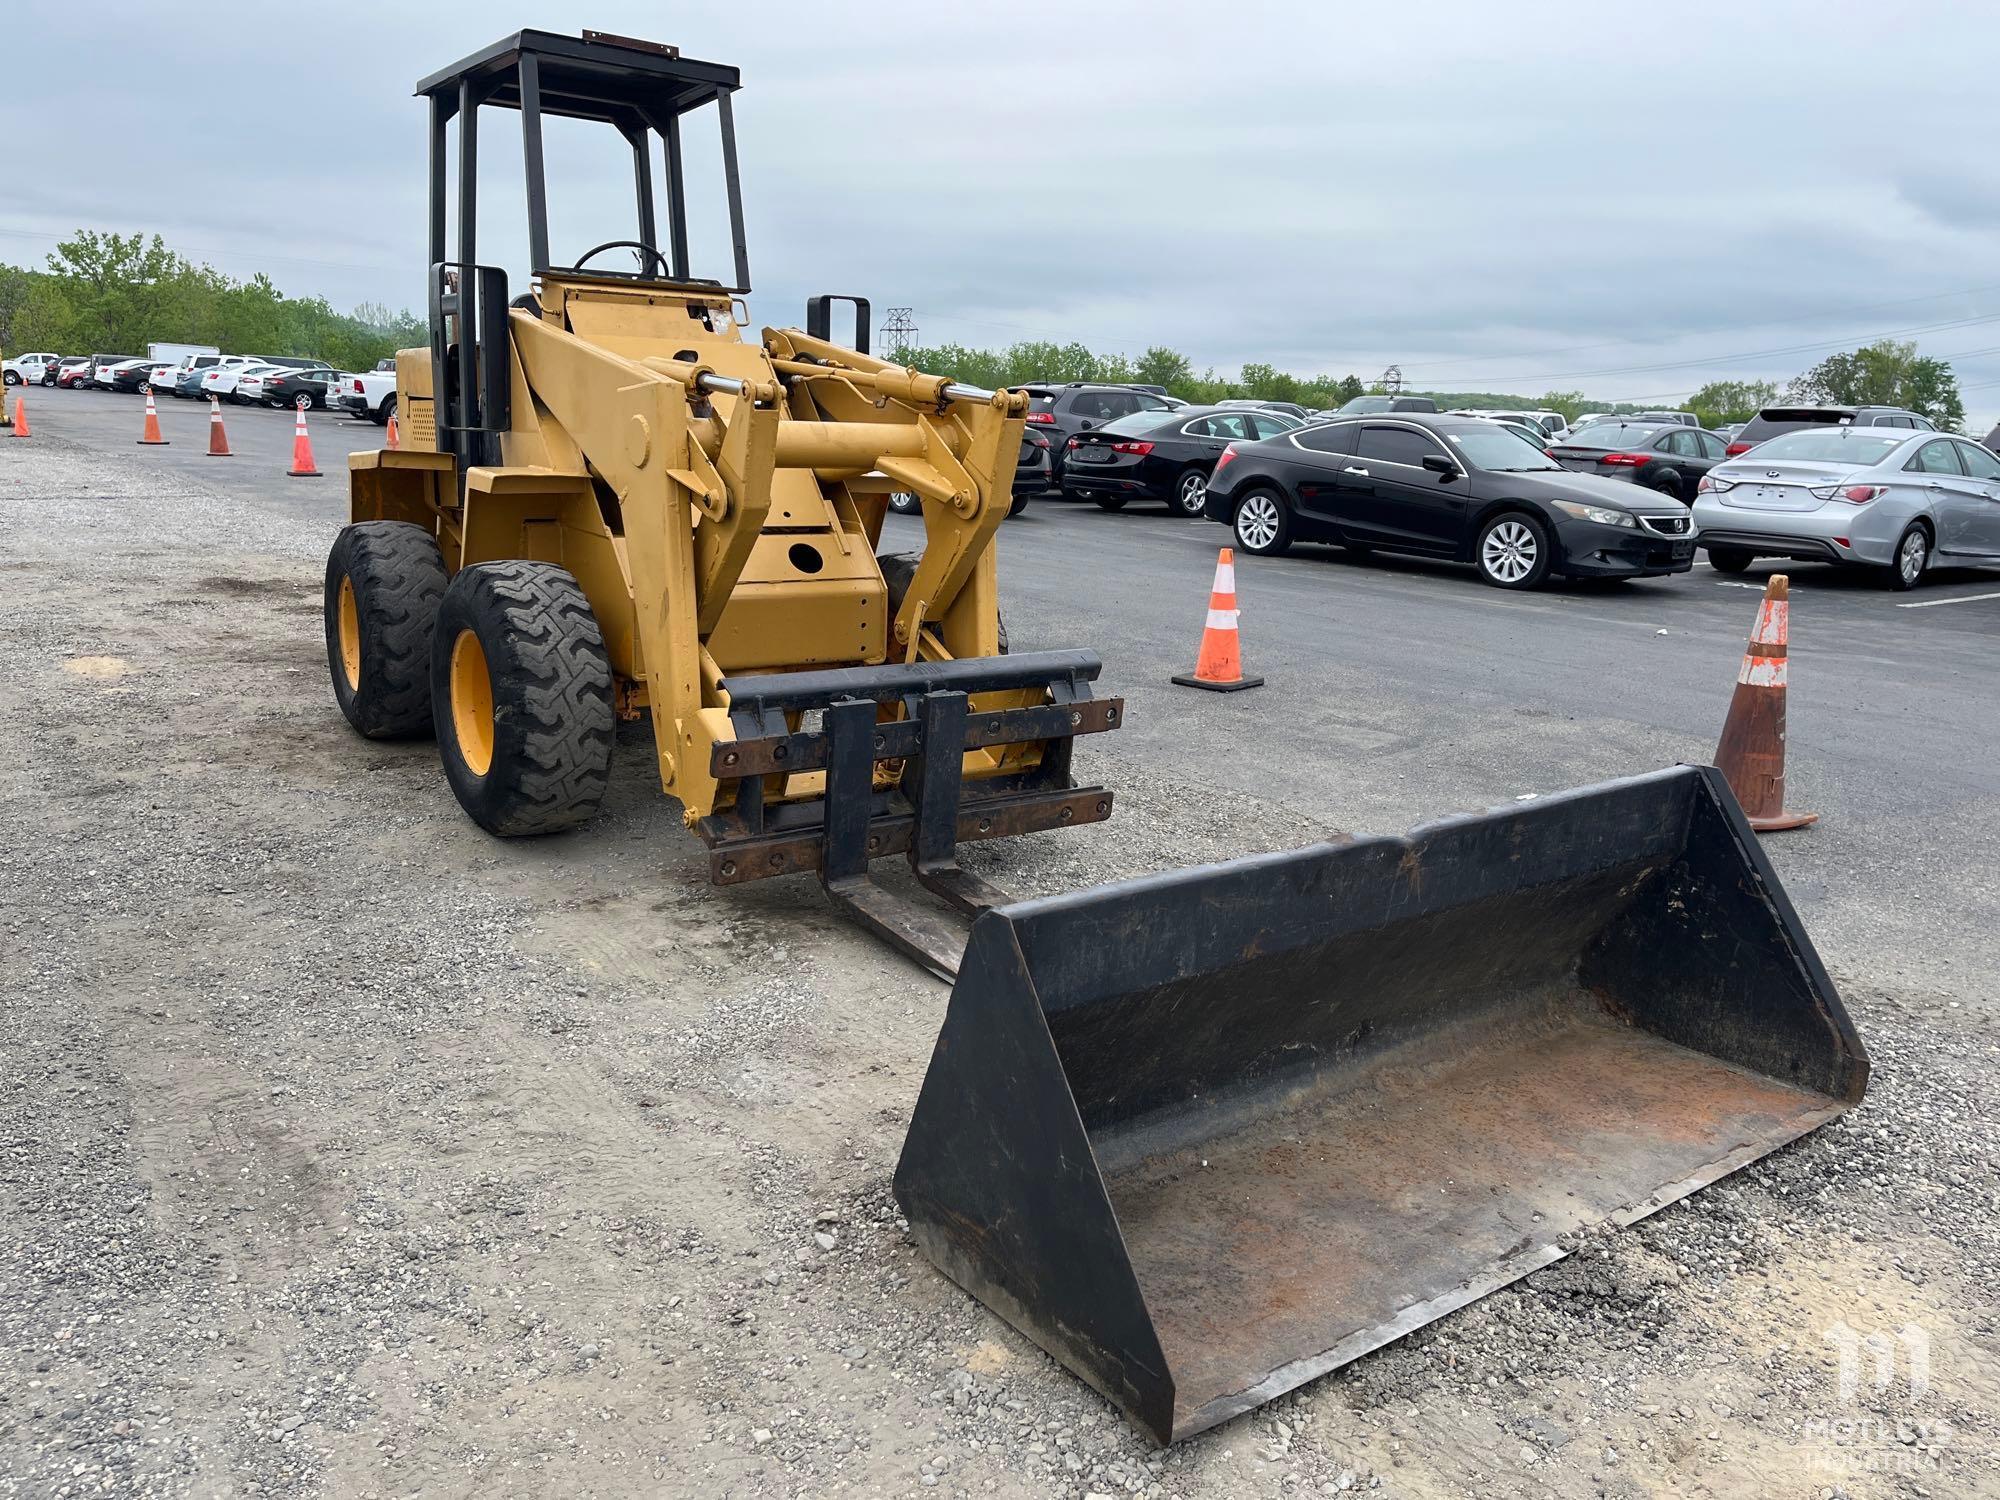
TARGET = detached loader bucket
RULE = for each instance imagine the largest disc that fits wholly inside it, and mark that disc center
(1205, 1136)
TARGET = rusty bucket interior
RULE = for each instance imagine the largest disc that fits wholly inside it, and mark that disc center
(1205, 1136)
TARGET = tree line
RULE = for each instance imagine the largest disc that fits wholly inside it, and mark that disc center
(115, 293)
(1884, 373)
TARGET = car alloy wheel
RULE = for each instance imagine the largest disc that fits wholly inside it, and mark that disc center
(1258, 522)
(1193, 493)
(1509, 552)
(1913, 555)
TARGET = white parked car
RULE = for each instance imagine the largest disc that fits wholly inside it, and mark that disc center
(221, 379)
(248, 387)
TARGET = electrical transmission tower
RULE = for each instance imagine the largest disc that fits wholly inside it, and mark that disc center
(899, 328)
(1392, 379)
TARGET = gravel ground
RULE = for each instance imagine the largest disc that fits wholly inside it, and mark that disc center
(350, 1152)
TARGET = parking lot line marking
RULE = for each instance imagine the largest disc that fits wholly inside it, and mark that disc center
(1733, 583)
(1961, 599)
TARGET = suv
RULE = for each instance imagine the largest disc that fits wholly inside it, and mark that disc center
(1386, 403)
(1060, 412)
(1773, 420)
(1682, 418)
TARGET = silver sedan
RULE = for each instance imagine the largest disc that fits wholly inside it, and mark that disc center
(1879, 497)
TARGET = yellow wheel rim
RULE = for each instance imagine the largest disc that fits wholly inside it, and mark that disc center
(350, 636)
(471, 703)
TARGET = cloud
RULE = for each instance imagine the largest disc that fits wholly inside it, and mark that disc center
(1464, 189)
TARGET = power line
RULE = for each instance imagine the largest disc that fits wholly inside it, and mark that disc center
(1445, 381)
(231, 254)
(1729, 327)
(1954, 354)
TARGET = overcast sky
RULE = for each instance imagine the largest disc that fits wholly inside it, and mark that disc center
(1628, 202)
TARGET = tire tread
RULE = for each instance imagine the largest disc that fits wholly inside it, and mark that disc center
(557, 668)
(399, 579)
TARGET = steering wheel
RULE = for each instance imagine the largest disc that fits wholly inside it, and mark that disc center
(646, 253)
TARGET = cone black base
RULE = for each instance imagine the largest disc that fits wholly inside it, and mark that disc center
(1221, 687)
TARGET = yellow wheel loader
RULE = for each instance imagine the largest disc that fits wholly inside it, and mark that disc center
(607, 504)
(1204, 1135)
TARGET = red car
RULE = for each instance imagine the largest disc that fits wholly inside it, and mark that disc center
(72, 373)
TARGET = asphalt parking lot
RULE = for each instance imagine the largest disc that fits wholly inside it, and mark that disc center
(356, 1153)
(260, 438)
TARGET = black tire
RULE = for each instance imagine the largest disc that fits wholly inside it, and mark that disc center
(1019, 504)
(1911, 557)
(898, 569)
(1262, 522)
(1191, 494)
(1729, 560)
(903, 503)
(11, 377)
(49, 381)
(1108, 502)
(386, 410)
(384, 580)
(521, 698)
(1513, 551)
(1669, 485)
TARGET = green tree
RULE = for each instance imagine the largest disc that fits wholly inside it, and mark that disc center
(1349, 387)
(1885, 373)
(1266, 383)
(1162, 366)
(1731, 400)
(107, 291)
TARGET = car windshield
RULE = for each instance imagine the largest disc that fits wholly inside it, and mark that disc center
(1830, 445)
(1614, 435)
(1495, 449)
(1135, 422)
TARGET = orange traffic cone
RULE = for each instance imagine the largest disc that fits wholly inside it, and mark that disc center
(1219, 668)
(21, 417)
(395, 437)
(303, 466)
(151, 438)
(218, 440)
(1752, 752)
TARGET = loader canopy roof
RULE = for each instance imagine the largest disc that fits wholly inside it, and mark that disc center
(596, 77)
(641, 89)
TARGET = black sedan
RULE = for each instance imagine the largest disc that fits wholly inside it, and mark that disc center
(298, 387)
(1156, 455)
(1670, 459)
(1448, 487)
(131, 377)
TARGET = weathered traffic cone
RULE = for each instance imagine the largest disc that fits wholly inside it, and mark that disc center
(21, 417)
(395, 437)
(150, 438)
(1751, 754)
(218, 440)
(1219, 668)
(303, 466)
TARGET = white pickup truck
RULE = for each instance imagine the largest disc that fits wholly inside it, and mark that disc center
(31, 369)
(372, 395)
